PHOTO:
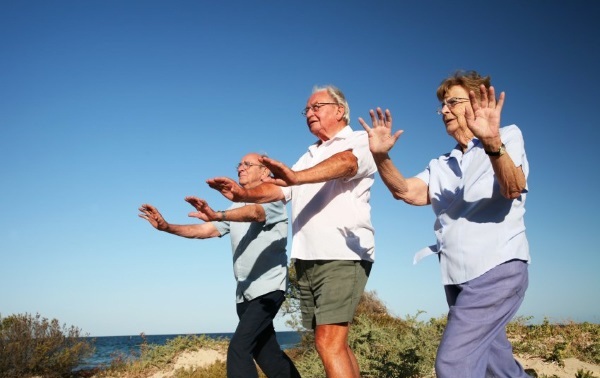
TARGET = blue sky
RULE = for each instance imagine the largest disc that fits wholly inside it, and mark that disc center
(105, 105)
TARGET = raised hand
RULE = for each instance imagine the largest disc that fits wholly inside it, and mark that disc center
(203, 211)
(228, 188)
(151, 214)
(381, 139)
(484, 119)
(282, 174)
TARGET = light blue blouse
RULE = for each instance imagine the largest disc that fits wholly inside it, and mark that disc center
(476, 227)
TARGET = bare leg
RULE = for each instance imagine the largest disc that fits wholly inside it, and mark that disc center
(331, 341)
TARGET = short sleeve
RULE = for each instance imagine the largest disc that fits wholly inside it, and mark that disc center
(275, 212)
(222, 227)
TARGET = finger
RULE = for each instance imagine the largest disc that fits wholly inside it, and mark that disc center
(380, 117)
(388, 117)
(474, 102)
(372, 115)
(491, 97)
(397, 135)
(501, 101)
(364, 125)
(470, 113)
(484, 96)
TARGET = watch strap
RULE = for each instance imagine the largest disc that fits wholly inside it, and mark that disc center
(501, 151)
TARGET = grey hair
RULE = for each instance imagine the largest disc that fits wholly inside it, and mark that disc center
(338, 96)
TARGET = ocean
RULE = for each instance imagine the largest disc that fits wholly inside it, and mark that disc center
(108, 347)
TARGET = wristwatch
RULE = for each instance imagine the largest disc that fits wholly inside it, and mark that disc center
(501, 151)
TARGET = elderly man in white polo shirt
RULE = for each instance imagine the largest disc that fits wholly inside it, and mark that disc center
(332, 236)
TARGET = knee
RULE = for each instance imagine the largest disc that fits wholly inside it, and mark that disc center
(235, 348)
(445, 362)
(325, 345)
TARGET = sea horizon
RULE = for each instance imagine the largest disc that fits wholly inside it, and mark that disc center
(108, 348)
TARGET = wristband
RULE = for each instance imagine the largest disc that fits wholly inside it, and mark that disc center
(222, 215)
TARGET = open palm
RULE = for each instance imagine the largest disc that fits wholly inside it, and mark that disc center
(381, 139)
(484, 119)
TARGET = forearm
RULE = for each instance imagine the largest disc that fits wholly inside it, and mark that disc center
(510, 178)
(248, 213)
(412, 191)
(341, 165)
(263, 193)
(192, 231)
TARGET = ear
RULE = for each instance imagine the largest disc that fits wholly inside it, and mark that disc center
(265, 172)
(340, 113)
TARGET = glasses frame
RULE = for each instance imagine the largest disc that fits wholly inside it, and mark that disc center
(247, 165)
(450, 103)
(315, 107)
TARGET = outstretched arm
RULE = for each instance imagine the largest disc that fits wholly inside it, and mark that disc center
(263, 193)
(248, 213)
(192, 231)
(381, 140)
(340, 165)
(484, 123)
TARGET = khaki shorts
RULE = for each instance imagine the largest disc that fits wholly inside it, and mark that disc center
(330, 289)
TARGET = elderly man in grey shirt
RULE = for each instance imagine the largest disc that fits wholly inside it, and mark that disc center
(258, 242)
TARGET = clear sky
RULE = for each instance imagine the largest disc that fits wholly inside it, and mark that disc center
(105, 105)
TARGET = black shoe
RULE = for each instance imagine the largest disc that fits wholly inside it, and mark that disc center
(532, 373)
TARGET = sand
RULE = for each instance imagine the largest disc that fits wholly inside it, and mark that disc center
(205, 357)
(572, 365)
(192, 359)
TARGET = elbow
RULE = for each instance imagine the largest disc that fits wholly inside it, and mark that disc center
(513, 193)
(401, 196)
(349, 161)
(258, 214)
(398, 196)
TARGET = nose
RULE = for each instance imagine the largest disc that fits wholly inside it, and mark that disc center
(445, 109)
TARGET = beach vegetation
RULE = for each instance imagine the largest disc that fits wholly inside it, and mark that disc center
(553, 342)
(386, 346)
(31, 345)
(154, 358)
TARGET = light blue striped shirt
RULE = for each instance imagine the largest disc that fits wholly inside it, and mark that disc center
(259, 251)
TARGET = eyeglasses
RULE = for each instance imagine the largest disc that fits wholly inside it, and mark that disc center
(247, 165)
(451, 102)
(315, 107)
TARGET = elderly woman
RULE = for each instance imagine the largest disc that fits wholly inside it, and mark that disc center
(477, 192)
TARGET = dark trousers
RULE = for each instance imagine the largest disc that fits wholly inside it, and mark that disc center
(254, 340)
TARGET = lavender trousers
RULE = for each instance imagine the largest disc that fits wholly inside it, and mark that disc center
(474, 344)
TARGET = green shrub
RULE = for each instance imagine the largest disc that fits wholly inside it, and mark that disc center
(584, 374)
(35, 346)
(384, 345)
(555, 342)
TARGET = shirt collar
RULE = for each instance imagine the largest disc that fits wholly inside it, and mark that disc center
(342, 134)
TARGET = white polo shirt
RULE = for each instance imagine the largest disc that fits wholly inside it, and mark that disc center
(332, 220)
